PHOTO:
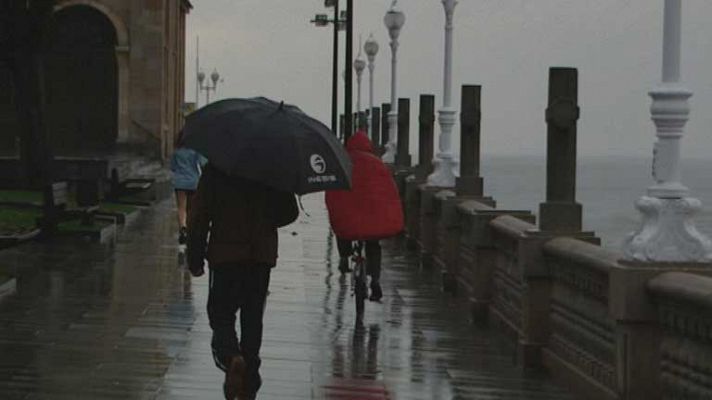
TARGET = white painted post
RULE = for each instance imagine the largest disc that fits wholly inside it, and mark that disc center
(445, 164)
(394, 21)
(668, 233)
(371, 48)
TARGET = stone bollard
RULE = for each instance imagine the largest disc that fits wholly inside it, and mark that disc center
(560, 213)
(403, 160)
(385, 109)
(469, 183)
(376, 127)
(426, 128)
(522, 272)
(448, 222)
(426, 121)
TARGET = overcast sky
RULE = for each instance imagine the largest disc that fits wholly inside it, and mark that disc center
(269, 48)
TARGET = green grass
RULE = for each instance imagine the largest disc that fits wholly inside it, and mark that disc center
(21, 196)
(17, 220)
(117, 208)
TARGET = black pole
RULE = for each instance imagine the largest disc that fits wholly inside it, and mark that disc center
(349, 69)
(335, 74)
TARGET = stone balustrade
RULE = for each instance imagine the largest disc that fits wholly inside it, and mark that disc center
(684, 313)
(603, 326)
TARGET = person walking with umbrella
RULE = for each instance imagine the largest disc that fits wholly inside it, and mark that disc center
(260, 154)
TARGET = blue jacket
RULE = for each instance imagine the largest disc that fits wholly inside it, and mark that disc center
(186, 165)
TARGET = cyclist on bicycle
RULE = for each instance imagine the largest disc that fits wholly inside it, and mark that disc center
(370, 211)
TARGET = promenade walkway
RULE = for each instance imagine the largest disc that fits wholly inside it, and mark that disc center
(126, 322)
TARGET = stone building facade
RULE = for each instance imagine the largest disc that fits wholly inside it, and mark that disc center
(114, 78)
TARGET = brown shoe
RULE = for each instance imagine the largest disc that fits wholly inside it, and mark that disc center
(235, 387)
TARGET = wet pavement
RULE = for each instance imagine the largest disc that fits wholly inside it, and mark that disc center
(125, 321)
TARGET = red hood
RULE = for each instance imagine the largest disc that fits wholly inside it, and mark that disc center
(359, 142)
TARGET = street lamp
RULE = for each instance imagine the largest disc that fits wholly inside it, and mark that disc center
(214, 77)
(322, 20)
(668, 233)
(359, 66)
(394, 21)
(444, 174)
(371, 48)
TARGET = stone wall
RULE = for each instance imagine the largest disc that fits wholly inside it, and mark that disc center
(150, 52)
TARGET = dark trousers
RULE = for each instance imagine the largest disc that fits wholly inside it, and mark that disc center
(373, 256)
(240, 288)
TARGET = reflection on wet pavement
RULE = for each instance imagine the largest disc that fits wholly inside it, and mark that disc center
(125, 321)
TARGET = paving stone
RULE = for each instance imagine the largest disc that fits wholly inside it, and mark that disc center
(126, 321)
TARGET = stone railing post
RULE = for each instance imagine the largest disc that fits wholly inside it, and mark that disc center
(402, 156)
(426, 122)
(376, 127)
(561, 212)
(385, 110)
(469, 183)
(426, 130)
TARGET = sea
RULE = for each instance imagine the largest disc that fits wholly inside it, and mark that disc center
(607, 187)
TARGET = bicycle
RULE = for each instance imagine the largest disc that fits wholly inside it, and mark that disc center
(359, 275)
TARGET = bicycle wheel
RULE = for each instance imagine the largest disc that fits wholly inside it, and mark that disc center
(360, 291)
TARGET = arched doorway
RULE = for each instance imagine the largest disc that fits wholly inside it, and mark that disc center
(82, 82)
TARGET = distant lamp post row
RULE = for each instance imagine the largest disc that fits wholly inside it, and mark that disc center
(214, 77)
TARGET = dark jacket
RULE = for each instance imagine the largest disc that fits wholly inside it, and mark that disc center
(241, 217)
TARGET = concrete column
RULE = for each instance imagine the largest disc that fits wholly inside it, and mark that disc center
(668, 232)
(402, 156)
(426, 130)
(560, 212)
(375, 119)
(385, 111)
(469, 183)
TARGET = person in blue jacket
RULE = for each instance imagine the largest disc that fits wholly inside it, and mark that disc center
(186, 166)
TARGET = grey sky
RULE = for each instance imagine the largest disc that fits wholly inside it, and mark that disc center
(268, 47)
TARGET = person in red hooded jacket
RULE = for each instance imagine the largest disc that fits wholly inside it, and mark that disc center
(370, 211)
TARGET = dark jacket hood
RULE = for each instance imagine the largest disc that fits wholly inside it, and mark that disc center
(359, 142)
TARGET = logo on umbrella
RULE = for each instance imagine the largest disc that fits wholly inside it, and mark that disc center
(317, 163)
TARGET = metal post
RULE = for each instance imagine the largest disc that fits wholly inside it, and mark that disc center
(335, 72)
(667, 232)
(348, 92)
(444, 174)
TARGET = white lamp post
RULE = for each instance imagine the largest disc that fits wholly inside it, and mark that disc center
(394, 21)
(359, 66)
(371, 48)
(444, 173)
(667, 233)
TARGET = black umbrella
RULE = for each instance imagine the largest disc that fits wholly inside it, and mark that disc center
(269, 142)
